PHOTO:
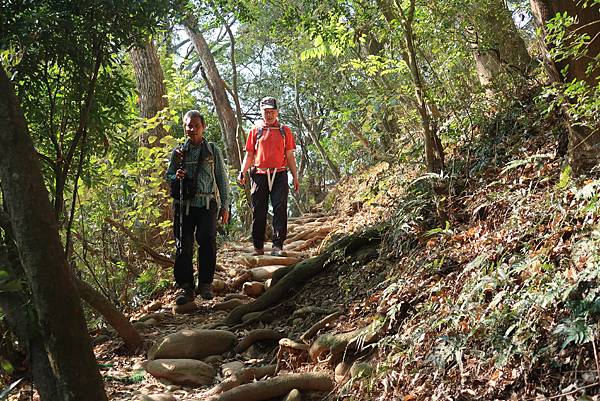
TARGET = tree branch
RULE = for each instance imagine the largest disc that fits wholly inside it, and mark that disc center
(157, 257)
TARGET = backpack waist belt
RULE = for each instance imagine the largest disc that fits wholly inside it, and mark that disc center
(270, 178)
(208, 196)
(260, 170)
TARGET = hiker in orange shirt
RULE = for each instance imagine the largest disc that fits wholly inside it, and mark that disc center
(270, 153)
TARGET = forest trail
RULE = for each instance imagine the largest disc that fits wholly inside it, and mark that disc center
(272, 340)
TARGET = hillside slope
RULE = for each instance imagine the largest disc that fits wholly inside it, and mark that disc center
(500, 302)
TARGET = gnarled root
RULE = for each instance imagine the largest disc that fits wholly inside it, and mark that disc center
(303, 272)
(242, 377)
(257, 335)
(277, 387)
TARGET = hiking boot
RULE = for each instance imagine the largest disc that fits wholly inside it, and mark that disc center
(277, 251)
(185, 295)
(258, 252)
(204, 291)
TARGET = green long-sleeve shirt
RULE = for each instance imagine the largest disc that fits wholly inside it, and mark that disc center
(211, 158)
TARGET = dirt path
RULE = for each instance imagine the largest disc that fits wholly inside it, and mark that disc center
(240, 278)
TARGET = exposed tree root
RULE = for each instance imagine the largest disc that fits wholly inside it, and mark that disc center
(228, 305)
(309, 242)
(319, 325)
(303, 272)
(237, 282)
(310, 233)
(277, 387)
(244, 376)
(267, 260)
(255, 336)
(279, 274)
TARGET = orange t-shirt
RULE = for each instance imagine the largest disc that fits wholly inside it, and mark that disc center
(270, 151)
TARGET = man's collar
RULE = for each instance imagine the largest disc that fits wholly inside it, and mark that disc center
(189, 143)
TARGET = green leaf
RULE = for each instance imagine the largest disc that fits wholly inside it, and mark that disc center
(6, 366)
(10, 285)
(565, 178)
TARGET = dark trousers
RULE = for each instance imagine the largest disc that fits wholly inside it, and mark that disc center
(260, 206)
(200, 224)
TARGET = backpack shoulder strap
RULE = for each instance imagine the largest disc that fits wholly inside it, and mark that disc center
(260, 132)
(283, 135)
(211, 148)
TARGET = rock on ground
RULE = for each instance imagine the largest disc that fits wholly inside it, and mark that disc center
(182, 371)
(193, 344)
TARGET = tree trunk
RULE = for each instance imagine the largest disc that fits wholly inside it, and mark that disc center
(584, 142)
(150, 84)
(112, 316)
(588, 23)
(21, 320)
(240, 136)
(34, 225)
(434, 153)
(498, 46)
(215, 83)
(314, 137)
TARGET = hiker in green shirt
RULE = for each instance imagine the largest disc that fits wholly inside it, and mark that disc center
(198, 166)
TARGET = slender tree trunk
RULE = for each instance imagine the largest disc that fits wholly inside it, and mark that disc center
(241, 140)
(584, 142)
(65, 159)
(35, 228)
(150, 84)
(313, 135)
(240, 136)
(215, 83)
(434, 153)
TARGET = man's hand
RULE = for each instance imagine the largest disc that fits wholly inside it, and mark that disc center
(180, 174)
(296, 184)
(241, 179)
(224, 216)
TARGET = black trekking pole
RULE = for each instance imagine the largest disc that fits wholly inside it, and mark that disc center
(181, 212)
(180, 258)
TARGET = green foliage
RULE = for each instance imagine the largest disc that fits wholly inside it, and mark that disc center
(505, 309)
(132, 192)
(136, 377)
(147, 283)
(567, 43)
(565, 178)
